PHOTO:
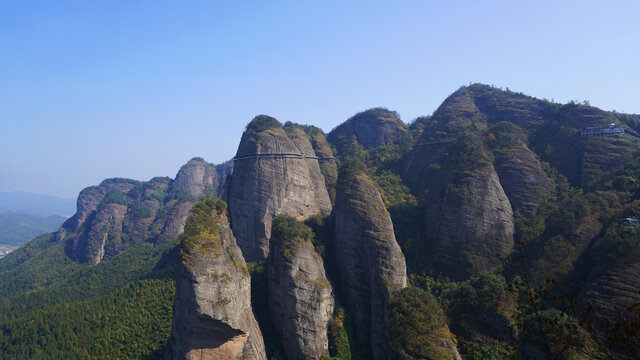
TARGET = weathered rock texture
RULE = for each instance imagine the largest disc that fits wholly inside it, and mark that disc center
(472, 228)
(327, 162)
(300, 296)
(275, 172)
(523, 180)
(119, 211)
(369, 259)
(370, 128)
(196, 178)
(612, 288)
(212, 316)
(469, 223)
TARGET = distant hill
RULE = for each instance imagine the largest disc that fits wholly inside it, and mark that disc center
(36, 204)
(18, 228)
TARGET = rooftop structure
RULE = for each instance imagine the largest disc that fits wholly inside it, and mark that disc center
(610, 129)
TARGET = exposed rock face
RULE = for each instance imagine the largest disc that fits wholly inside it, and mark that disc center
(275, 172)
(472, 229)
(300, 296)
(153, 211)
(523, 180)
(583, 159)
(90, 198)
(197, 178)
(104, 233)
(612, 289)
(369, 259)
(212, 317)
(327, 162)
(469, 221)
(370, 128)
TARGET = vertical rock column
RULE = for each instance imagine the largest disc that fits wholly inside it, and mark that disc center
(212, 315)
(300, 296)
(275, 172)
(370, 261)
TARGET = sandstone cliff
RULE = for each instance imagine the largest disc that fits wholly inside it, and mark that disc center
(300, 296)
(371, 128)
(523, 180)
(327, 162)
(275, 172)
(471, 227)
(120, 211)
(369, 260)
(212, 317)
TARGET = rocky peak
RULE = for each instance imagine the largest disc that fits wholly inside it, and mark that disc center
(370, 261)
(212, 316)
(276, 171)
(371, 128)
(197, 178)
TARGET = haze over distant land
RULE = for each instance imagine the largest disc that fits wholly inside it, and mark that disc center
(36, 204)
(135, 89)
(24, 216)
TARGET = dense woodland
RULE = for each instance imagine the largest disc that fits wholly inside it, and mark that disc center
(531, 306)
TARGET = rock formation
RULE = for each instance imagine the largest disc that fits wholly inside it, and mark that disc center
(523, 180)
(370, 128)
(327, 162)
(470, 228)
(120, 210)
(300, 296)
(212, 317)
(469, 223)
(370, 262)
(276, 171)
(197, 178)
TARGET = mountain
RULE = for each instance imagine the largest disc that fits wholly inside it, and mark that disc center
(500, 225)
(36, 204)
(121, 212)
(18, 228)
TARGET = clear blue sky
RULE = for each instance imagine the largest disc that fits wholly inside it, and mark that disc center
(98, 89)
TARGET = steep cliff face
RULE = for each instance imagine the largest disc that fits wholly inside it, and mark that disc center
(523, 180)
(300, 296)
(104, 235)
(612, 288)
(370, 128)
(370, 262)
(212, 317)
(475, 169)
(276, 171)
(470, 228)
(197, 178)
(118, 211)
(90, 198)
(326, 160)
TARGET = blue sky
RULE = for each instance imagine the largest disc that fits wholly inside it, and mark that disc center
(98, 89)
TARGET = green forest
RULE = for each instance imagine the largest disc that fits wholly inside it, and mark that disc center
(529, 306)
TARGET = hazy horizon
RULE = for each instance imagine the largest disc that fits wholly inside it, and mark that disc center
(121, 89)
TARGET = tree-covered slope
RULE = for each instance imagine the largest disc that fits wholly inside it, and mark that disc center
(521, 234)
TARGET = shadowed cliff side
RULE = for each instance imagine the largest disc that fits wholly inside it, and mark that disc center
(300, 296)
(212, 317)
(369, 260)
